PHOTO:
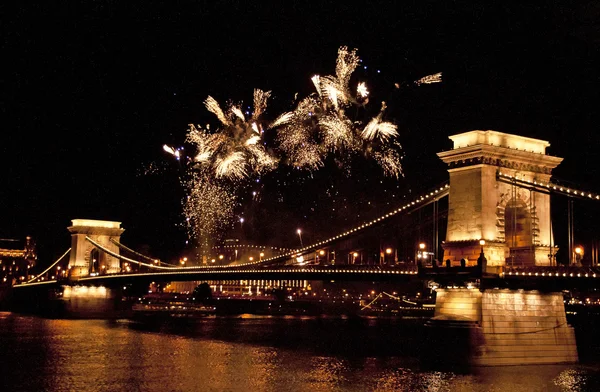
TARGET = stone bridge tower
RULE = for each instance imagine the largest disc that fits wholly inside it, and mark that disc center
(514, 221)
(85, 258)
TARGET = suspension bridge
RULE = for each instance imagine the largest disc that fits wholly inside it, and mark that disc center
(489, 227)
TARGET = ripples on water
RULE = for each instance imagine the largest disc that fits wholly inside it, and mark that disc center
(247, 354)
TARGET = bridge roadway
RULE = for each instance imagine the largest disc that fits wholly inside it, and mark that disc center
(366, 273)
(544, 278)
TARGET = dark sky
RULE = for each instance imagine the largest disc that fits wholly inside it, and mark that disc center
(92, 91)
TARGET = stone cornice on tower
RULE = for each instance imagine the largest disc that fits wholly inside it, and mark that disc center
(98, 227)
(499, 149)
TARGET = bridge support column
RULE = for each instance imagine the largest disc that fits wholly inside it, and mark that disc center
(502, 327)
(84, 257)
(485, 201)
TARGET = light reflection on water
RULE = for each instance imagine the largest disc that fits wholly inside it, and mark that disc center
(246, 354)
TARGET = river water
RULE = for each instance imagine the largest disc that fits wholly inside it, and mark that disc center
(249, 353)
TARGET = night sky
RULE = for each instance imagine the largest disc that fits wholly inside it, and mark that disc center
(92, 91)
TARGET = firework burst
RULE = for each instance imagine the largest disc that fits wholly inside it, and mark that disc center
(320, 124)
(235, 150)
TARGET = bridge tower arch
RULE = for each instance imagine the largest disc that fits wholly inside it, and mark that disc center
(85, 258)
(514, 221)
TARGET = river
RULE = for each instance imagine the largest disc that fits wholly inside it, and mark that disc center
(250, 353)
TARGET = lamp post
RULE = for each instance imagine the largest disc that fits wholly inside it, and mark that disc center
(420, 252)
(300, 235)
(482, 261)
(320, 254)
(578, 254)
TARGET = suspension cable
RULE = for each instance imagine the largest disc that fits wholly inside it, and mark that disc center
(120, 245)
(371, 303)
(110, 252)
(51, 266)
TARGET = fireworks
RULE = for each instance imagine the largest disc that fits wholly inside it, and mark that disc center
(429, 79)
(333, 121)
(208, 208)
(379, 129)
(235, 150)
(320, 124)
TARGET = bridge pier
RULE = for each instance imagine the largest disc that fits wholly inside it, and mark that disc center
(71, 301)
(90, 301)
(494, 327)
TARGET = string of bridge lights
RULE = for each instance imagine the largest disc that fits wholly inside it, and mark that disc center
(555, 187)
(552, 274)
(188, 270)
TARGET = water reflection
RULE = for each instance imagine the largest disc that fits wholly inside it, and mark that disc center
(246, 354)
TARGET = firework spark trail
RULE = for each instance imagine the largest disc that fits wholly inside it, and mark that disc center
(282, 119)
(208, 208)
(232, 166)
(345, 65)
(429, 79)
(213, 106)
(389, 159)
(381, 129)
(260, 102)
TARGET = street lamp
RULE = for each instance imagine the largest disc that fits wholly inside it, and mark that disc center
(421, 252)
(578, 254)
(300, 235)
(482, 261)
